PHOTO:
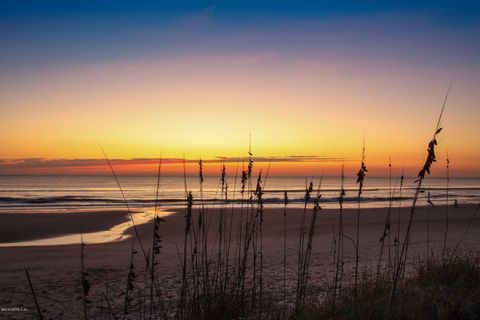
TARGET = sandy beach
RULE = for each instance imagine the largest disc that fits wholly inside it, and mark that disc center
(55, 270)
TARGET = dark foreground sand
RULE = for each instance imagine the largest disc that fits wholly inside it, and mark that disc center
(55, 270)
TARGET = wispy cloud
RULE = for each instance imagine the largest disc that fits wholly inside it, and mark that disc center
(7, 165)
(293, 158)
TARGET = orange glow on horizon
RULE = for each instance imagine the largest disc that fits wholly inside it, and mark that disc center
(233, 168)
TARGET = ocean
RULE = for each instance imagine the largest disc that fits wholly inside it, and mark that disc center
(82, 192)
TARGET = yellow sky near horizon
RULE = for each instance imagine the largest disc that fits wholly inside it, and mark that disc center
(206, 106)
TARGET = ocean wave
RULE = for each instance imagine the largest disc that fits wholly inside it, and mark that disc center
(296, 190)
(5, 201)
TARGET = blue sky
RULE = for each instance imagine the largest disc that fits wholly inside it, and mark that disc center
(36, 34)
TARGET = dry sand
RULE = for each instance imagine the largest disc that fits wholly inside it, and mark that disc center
(55, 270)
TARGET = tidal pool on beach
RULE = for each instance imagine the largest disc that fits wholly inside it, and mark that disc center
(115, 233)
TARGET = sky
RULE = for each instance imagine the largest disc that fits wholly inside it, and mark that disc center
(309, 81)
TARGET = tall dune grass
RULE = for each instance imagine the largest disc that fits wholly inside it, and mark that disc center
(223, 265)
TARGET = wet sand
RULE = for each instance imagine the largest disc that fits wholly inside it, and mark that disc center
(24, 226)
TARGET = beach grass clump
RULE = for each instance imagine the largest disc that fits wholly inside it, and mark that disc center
(443, 289)
(437, 289)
